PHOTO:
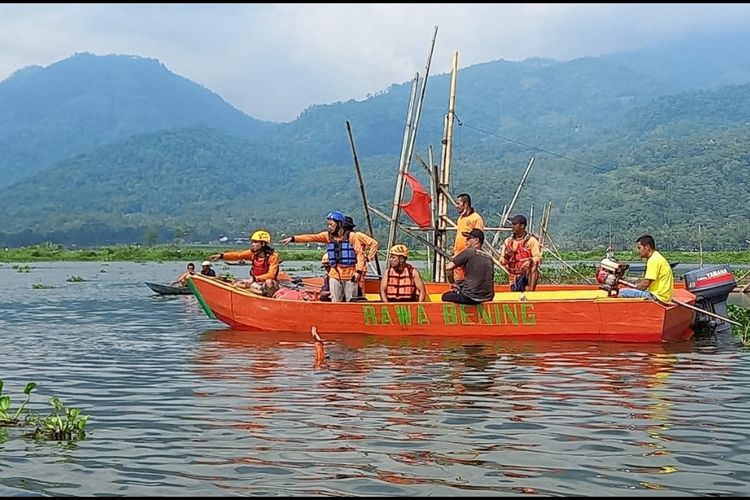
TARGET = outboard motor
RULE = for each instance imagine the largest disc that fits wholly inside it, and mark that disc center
(609, 274)
(711, 286)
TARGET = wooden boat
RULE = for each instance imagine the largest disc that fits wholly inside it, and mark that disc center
(169, 290)
(553, 312)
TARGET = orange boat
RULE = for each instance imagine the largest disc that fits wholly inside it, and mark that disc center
(552, 312)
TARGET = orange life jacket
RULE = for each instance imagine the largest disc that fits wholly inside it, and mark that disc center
(517, 257)
(401, 286)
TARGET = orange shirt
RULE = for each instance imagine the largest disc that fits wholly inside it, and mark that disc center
(338, 272)
(465, 224)
(369, 244)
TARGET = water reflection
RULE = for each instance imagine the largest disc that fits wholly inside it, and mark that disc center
(179, 404)
(462, 415)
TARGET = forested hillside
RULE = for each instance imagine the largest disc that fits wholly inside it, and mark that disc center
(201, 183)
(137, 150)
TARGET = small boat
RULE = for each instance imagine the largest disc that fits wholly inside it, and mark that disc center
(169, 290)
(552, 312)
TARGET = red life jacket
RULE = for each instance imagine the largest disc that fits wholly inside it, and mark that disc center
(401, 286)
(260, 264)
(517, 257)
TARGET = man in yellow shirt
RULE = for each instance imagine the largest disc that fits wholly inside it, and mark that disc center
(468, 219)
(658, 281)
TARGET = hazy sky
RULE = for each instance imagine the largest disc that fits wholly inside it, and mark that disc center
(274, 60)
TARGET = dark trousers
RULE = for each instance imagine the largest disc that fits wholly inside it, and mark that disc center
(520, 284)
(458, 298)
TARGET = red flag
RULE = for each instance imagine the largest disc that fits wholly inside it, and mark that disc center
(418, 208)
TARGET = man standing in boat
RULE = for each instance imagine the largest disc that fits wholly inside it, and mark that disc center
(658, 281)
(402, 282)
(478, 285)
(346, 256)
(369, 244)
(264, 264)
(468, 219)
(521, 256)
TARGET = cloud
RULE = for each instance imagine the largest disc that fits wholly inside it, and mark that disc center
(274, 60)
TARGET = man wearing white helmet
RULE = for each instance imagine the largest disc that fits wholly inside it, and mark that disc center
(345, 255)
(264, 264)
(206, 269)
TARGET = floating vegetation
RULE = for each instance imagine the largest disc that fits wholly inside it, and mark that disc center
(741, 315)
(40, 286)
(22, 268)
(62, 424)
(75, 279)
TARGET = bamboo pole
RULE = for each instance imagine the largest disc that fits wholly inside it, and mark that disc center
(434, 181)
(700, 245)
(446, 255)
(409, 140)
(746, 287)
(362, 189)
(445, 169)
(420, 102)
(531, 219)
(415, 234)
(402, 166)
(556, 253)
(513, 200)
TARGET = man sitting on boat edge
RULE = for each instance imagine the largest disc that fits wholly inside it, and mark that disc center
(658, 282)
(478, 285)
(264, 264)
(522, 256)
(184, 276)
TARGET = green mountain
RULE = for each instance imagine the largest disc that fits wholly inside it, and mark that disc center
(612, 146)
(86, 101)
(198, 184)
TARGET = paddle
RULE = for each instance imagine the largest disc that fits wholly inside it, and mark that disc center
(689, 306)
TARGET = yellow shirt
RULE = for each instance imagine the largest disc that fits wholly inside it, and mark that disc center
(659, 272)
(466, 223)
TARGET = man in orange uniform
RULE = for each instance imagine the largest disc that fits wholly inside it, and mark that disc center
(264, 264)
(521, 256)
(468, 219)
(346, 257)
(369, 244)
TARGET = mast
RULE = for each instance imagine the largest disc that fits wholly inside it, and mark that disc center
(445, 173)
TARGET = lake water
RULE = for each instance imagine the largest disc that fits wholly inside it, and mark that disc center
(181, 405)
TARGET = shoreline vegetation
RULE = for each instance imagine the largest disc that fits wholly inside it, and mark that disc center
(168, 253)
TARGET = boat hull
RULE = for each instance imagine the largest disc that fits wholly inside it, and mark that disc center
(553, 313)
(168, 290)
